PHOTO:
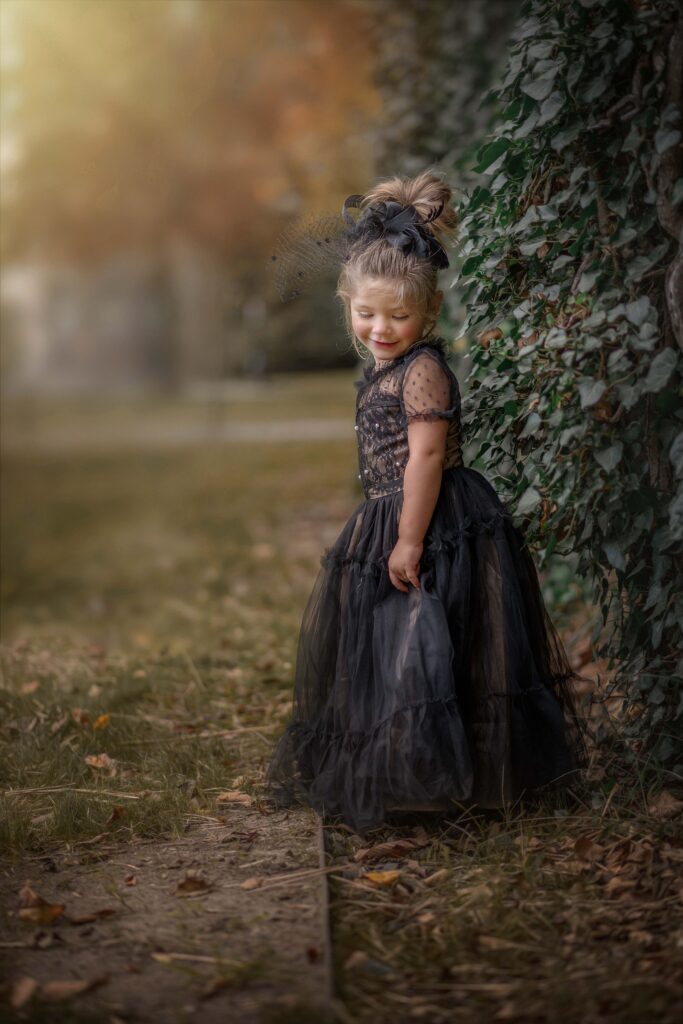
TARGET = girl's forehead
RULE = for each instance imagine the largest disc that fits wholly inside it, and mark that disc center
(377, 292)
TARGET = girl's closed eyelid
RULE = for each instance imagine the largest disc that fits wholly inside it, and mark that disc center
(365, 315)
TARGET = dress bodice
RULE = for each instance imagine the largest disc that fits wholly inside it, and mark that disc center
(419, 385)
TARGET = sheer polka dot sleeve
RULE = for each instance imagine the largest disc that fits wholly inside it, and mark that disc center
(426, 392)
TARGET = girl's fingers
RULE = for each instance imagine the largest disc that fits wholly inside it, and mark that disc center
(397, 582)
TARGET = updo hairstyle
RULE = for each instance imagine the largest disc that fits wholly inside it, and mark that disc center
(414, 279)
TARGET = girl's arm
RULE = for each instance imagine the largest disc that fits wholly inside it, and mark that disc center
(421, 486)
(428, 401)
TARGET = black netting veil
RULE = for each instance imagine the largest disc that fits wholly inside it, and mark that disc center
(314, 246)
(311, 248)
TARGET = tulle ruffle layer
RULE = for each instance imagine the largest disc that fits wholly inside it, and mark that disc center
(458, 690)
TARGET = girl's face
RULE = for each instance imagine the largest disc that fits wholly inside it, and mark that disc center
(384, 325)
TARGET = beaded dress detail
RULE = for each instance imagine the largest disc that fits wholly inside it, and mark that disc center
(459, 690)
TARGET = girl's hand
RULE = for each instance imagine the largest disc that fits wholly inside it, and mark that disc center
(404, 564)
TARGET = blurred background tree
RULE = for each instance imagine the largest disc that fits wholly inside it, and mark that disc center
(152, 151)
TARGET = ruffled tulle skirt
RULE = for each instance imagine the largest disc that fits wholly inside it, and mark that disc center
(459, 690)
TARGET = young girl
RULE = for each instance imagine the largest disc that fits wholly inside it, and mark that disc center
(428, 673)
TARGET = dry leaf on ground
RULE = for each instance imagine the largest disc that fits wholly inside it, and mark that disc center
(253, 883)
(58, 991)
(235, 798)
(36, 910)
(193, 883)
(381, 877)
(395, 848)
(22, 990)
(665, 805)
(102, 762)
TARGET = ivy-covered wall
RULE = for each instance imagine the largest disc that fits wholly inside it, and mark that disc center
(573, 278)
(572, 275)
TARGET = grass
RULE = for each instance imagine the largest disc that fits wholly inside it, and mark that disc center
(150, 604)
(569, 910)
(150, 608)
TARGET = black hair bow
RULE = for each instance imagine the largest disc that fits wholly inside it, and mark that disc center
(400, 226)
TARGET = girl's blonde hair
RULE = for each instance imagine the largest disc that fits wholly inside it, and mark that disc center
(415, 279)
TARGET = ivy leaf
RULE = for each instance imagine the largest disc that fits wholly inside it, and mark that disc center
(588, 279)
(539, 88)
(641, 264)
(665, 138)
(591, 391)
(529, 500)
(529, 27)
(526, 126)
(561, 261)
(551, 107)
(610, 457)
(661, 368)
(614, 555)
(531, 426)
(595, 89)
(489, 154)
(564, 138)
(531, 216)
(636, 312)
(676, 454)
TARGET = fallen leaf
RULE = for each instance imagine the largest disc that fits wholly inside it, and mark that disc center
(22, 990)
(131, 880)
(492, 942)
(56, 726)
(92, 916)
(586, 849)
(356, 959)
(673, 853)
(102, 762)
(381, 877)
(117, 812)
(253, 883)
(80, 716)
(665, 806)
(397, 848)
(58, 991)
(30, 687)
(35, 909)
(414, 865)
(101, 722)
(193, 883)
(46, 913)
(438, 876)
(617, 885)
(233, 797)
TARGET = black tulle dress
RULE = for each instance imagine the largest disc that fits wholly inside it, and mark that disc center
(459, 690)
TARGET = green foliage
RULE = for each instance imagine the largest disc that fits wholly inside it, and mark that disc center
(575, 385)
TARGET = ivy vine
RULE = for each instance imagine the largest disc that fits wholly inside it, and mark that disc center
(573, 278)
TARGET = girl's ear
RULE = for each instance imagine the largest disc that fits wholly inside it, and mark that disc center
(438, 299)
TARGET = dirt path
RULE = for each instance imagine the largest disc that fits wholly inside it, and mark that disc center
(170, 932)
